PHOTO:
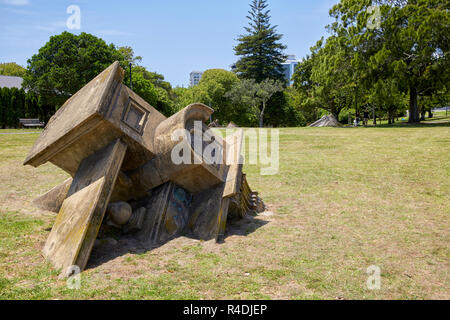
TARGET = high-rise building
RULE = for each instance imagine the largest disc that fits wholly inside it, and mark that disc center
(289, 67)
(195, 77)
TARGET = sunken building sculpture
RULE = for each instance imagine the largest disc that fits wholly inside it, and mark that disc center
(119, 152)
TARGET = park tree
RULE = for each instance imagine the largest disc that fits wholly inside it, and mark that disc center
(298, 116)
(385, 97)
(145, 89)
(260, 49)
(326, 78)
(12, 69)
(436, 100)
(164, 101)
(159, 94)
(186, 96)
(213, 86)
(212, 91)
(16, 103)
(407, 37)
(255, 95)
(304, 86)
(152, 88)
(65, 64)
(129, 57)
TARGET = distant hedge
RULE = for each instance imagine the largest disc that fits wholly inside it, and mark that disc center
(16, 103)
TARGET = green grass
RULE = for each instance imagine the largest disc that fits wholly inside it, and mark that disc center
(437, 117)
(344, 199)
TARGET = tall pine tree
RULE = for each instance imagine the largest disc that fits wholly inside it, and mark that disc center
(261, 51)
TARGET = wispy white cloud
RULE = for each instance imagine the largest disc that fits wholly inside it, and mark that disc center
(17, 2)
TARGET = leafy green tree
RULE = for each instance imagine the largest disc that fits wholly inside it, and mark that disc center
(186, 96)
(65, 64)
(411, 42)
(266, 90)
(145, 89)
(129, 57)
(255, 95)
(159, 95)
(12, 69)
(297, 115)
(386, 98)
(213, 86)
(304, 85)
(260, 50)
(164, 102)
(16, 103)
(4, 106)
(436, 100)
(212, 91)
(326, 78)
(159, 88)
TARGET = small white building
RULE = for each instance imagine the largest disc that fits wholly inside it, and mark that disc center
(10, 82)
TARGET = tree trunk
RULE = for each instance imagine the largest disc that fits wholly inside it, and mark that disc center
(430, 114)
(261, 116)
(335, 112)
(422, 115)
(413, 108)
(374, 116)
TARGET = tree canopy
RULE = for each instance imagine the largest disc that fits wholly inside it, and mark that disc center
(255, 95)
(410, 44)
(377, 56)
(260, 49)
(66, 63)
(12, 69)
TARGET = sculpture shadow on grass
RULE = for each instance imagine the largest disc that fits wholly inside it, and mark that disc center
(112, 244)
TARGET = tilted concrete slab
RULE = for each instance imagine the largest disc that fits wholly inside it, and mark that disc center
(75, 230)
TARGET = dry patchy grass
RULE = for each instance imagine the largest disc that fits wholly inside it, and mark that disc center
(344, 199)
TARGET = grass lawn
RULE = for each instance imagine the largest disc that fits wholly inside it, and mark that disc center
(344, 199)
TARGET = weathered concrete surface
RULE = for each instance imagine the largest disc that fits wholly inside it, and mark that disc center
(75, 230)
(326, 121)
(119, 212)
(167, 214)
(195, 176)
(102, 111)
(53, 199)
(234, 158)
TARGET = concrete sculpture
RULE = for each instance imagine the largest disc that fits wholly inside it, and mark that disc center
(118, 150)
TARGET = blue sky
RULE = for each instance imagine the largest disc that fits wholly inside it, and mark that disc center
(174, 37)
